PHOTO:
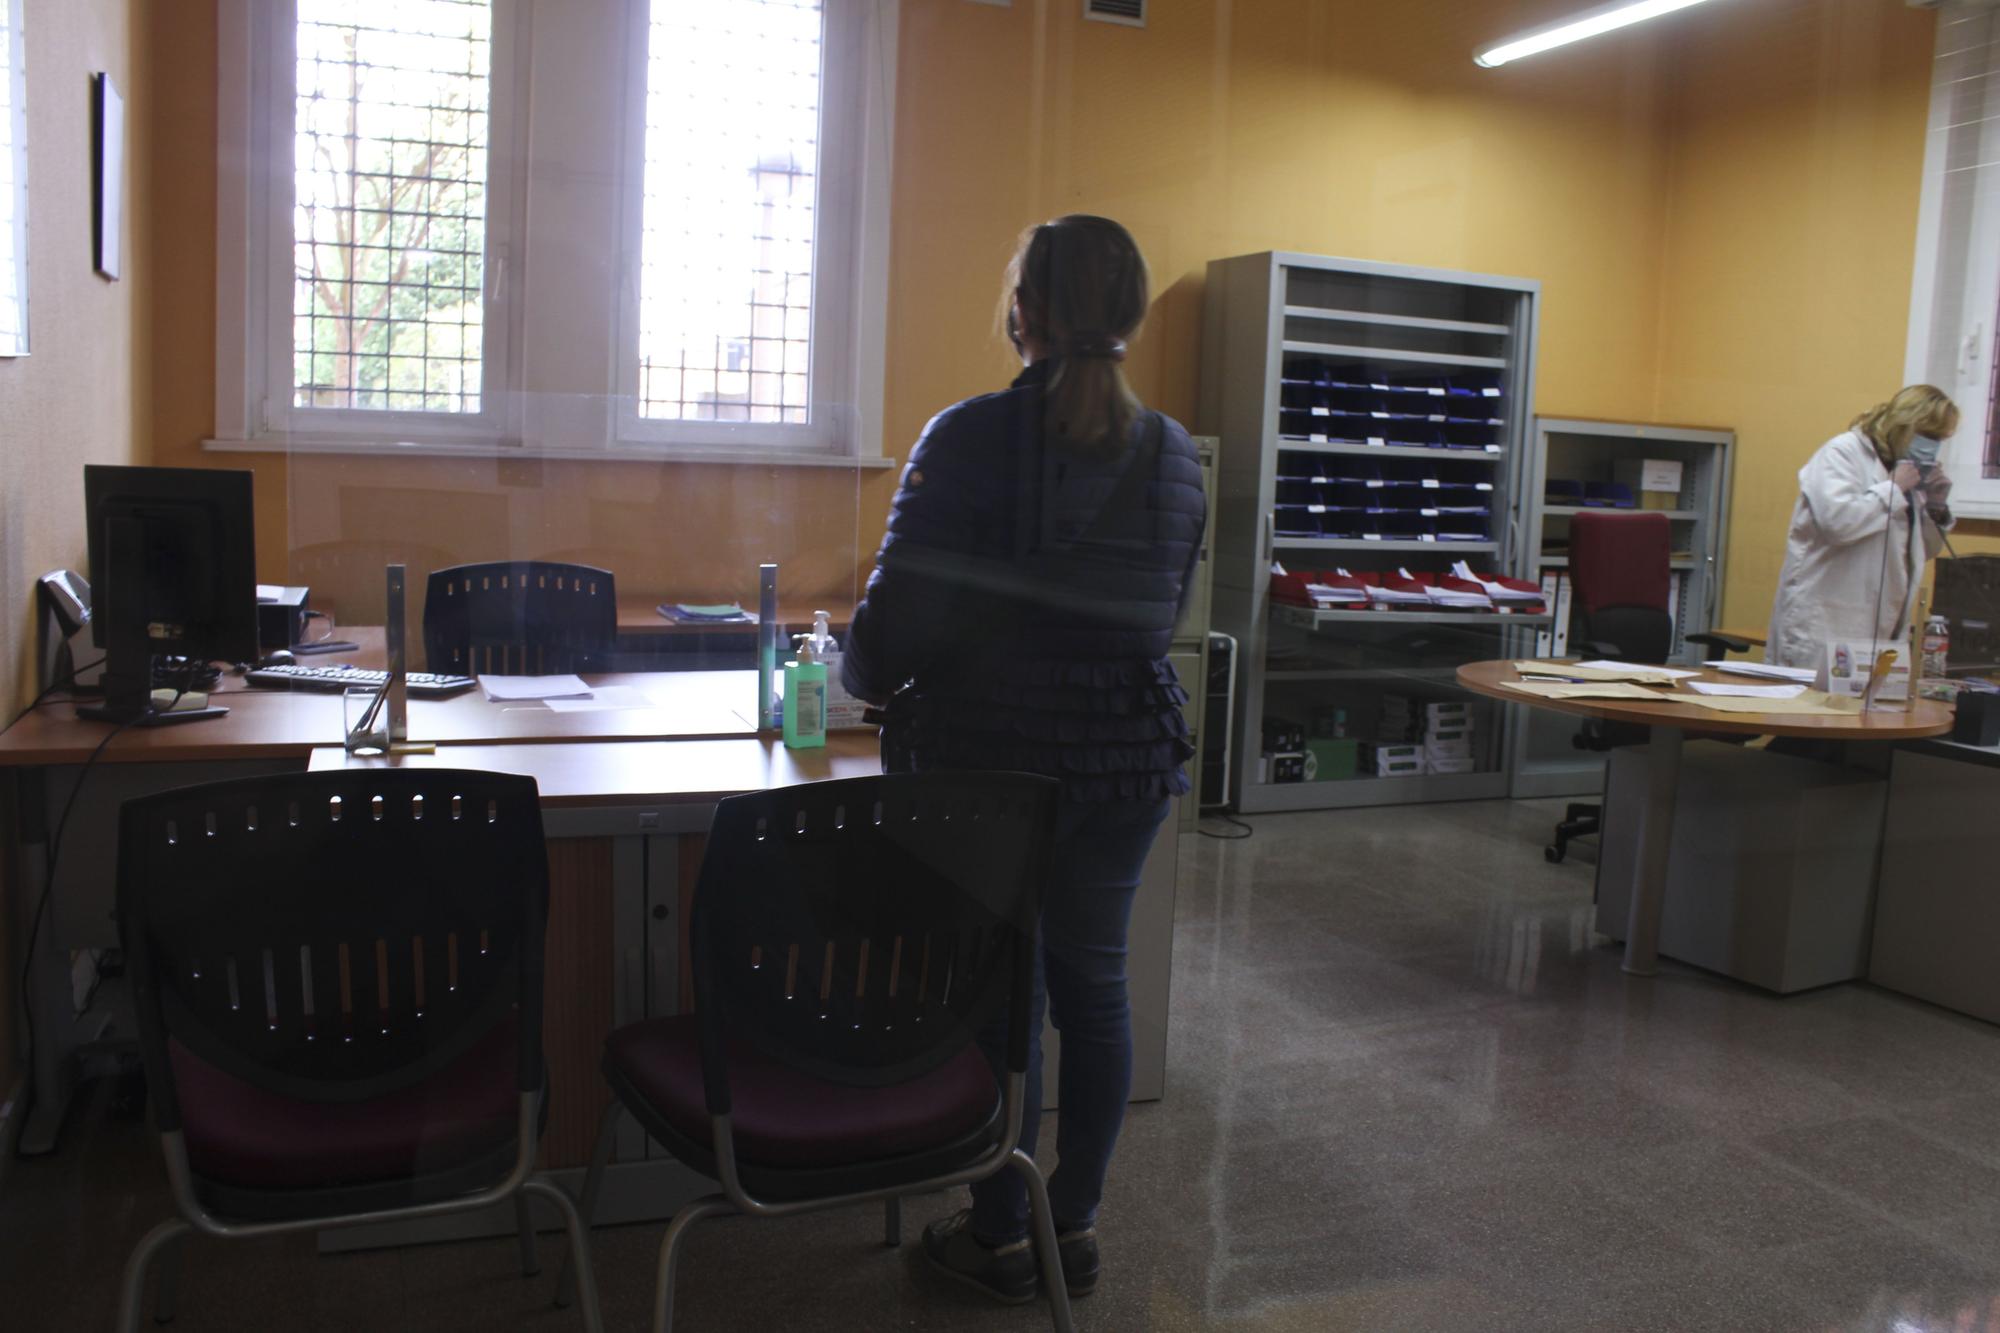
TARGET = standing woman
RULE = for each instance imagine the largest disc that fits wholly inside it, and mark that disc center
(1871, 512)
(1020, 610)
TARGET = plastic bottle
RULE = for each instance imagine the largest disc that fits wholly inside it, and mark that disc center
(805, 699)
(1937, 644)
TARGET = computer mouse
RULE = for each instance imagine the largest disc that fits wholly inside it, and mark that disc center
(282, 657)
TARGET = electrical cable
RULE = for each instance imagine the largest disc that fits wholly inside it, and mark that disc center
(51, 688)
(1224, 837)
(54, 843)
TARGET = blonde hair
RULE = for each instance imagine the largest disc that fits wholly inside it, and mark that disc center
(1082, 287)
(1917, 410)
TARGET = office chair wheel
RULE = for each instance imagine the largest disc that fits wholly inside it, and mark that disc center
(1554, 853)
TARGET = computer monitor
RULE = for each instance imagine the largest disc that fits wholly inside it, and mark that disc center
(173, 571)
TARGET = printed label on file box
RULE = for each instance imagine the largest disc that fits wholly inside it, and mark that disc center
(1373, 483)
(1430, 483)
(1315, 509)
(1437, 416)
(1428, 513)
(1377, 441)
(1316, 439)
(1490, 393)
(1379, 416)
(1322, 411)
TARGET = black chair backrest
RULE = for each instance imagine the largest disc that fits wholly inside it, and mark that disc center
(519, 618)
(863, 930)
(334, 936)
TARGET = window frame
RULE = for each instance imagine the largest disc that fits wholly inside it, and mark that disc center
(1954, 331)
(15, 72)
(256, 96)
(835, 205)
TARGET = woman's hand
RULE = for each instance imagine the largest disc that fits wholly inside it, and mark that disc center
(1937, 488)
(1906, 475)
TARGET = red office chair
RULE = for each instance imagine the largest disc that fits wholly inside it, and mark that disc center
(1620, 569)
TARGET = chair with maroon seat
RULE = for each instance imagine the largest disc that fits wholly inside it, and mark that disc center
(1621, 579)
(338, 984)
(848, 940)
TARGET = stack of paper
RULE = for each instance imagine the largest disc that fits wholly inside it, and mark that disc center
(1596, 673)
(1453, 593)
(511, 689)
(1797, 675)
(1399, 589)
(1501, 594)
(716, 613)
(1723, 688)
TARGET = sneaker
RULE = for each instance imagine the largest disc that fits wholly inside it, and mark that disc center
(1005, 1272)
(1078, 1251)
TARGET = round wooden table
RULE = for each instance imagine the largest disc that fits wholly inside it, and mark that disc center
(1670, 718)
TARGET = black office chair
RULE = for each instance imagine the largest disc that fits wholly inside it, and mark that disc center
(849, 939)
(338, 986)
(519, 618)
(1620, 578)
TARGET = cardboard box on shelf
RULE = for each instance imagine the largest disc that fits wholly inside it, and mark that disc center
(1331, 759)
(1656, 481)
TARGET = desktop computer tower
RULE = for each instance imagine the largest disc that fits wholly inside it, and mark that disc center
(1218, 711)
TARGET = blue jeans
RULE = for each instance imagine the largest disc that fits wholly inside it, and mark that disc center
(1100, 848)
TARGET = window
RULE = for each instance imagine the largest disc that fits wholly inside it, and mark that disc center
(730, 183)
(1955, 298)
(13, 186)
(684, 262)
(388, 213)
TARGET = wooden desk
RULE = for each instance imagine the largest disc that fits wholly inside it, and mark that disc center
(289, 723)
(1669, 719)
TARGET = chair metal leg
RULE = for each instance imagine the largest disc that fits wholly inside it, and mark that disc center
(579, 1252)
(1044, 1223)
(167, 1286)
(892, 1221)
(712, 1205)
(524, 1222)
(593, 1181)
(132, 1290)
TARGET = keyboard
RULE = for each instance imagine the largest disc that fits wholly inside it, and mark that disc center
(298, 676)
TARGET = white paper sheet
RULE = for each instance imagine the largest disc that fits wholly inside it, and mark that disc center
(1746, 691)
(1799, 675)
(602, 698)
(1606, 664)
(505, 689)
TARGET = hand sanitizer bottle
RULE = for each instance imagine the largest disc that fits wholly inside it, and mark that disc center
(805, 699)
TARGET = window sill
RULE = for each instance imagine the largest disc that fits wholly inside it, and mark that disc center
(621, 453)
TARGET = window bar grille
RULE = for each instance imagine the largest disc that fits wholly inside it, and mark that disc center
(730, 179)
(389, 226)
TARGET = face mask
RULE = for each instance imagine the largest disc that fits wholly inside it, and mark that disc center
(1924, 451)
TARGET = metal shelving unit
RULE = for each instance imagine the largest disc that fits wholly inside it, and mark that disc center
(1372, 417)
(1546, 763)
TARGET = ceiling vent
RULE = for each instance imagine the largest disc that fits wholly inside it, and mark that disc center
(1132, 13)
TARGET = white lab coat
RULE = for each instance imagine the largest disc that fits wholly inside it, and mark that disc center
(1853, 558)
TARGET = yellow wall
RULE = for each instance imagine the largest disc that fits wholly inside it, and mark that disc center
(73, 399)
(1359, 130)
(1796, 158)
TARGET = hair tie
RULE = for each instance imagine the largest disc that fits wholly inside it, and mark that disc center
(1101, 347)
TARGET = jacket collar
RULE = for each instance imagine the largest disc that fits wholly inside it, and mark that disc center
(1037, 373)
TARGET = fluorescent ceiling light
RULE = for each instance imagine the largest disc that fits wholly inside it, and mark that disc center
(1605, 18)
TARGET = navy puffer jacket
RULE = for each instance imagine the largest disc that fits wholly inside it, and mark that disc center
(1026, 595)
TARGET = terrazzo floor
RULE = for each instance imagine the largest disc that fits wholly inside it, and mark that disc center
(1407, 1090)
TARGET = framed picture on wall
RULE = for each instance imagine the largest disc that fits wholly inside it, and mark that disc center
(107, 172)
(13, 183)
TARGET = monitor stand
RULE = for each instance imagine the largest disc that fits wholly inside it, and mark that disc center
(127, 680)
(147, 716)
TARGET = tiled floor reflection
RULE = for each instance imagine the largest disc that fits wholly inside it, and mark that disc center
(1408, 1091)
